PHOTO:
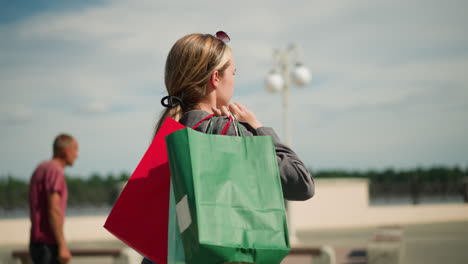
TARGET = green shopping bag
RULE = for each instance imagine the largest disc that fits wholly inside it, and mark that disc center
(229, 202)
(175, 248)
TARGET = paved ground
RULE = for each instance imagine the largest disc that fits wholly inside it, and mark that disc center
(445, 243)
(426, 243)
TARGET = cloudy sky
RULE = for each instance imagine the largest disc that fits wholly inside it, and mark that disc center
(389, 87)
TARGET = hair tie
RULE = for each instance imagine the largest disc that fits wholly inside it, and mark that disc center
(171, 101)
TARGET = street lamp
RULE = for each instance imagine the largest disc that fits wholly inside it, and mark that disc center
(279, 80)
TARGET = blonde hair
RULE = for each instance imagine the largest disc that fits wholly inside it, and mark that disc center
(189, 66)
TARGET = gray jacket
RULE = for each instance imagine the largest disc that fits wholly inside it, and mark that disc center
(296, 180)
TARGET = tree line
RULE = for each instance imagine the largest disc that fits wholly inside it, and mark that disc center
(100, 190)
(433, 174)
(95, 190)
(438, 183)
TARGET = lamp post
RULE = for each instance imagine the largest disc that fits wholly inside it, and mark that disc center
(279, 80)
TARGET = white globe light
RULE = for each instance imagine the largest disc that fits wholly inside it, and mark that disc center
(274, 82)
(301, 75)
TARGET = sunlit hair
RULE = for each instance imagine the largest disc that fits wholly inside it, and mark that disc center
(61, 142)
(189, 66)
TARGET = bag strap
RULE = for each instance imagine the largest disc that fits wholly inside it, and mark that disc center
(201, 121)
(210, 127)
(232, 118)
(238, 127)
(226, 127)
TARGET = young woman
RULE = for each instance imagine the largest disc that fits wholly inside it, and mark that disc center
(200, 78)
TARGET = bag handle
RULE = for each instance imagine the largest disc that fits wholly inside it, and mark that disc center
(232, 119)
(237, 127)
(201, 121)
(210, 126)
(226, 127)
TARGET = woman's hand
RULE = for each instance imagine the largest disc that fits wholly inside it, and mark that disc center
(241, 112)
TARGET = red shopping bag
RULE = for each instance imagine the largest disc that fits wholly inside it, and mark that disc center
(140, 216)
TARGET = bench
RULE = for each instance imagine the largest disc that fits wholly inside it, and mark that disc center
(331, 255)
(23, 254)
(351, 256)
(310, 251)
(386, 246)
(309, 254)
(318, 254)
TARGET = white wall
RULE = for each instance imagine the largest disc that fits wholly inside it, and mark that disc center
(340, 203)
(77, 229)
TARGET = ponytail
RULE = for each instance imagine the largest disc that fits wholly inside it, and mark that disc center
(175, 113)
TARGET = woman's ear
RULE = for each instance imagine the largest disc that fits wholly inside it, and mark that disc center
(214, 80)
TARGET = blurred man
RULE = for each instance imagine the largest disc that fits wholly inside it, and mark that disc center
(47, 204)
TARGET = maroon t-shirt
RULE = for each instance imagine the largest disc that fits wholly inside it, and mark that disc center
(46, 179)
